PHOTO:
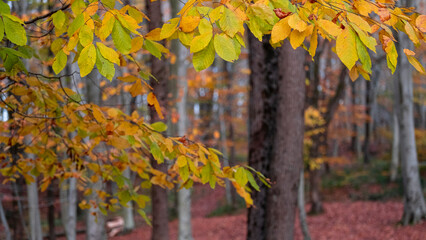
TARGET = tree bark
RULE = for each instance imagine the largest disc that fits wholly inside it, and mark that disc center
(34, 212)
(301, 206)
(159, 68)
(414, 203)
(3, 220)
(180, 67)
(277, 94)
(395, 148)
(95, 220)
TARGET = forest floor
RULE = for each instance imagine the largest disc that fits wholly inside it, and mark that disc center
(343, 219)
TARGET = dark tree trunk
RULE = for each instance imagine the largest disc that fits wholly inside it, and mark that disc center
(277, 91)
(51, 211)
(159, 68)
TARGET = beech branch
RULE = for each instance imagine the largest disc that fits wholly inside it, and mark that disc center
(47, 14)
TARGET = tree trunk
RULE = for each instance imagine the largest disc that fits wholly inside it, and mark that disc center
(34, 212)
(95, 220)
(180, 67)
(68, 197)
(51, 211)
(301, 206)
(3, 220)
(414, 203)
(395, 148)
(277, 94)
(160, 216)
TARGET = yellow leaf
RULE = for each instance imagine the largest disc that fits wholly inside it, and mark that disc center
(181, 161)
(108, 53)
(137, 44)
(359, 21)
(87, 59)
(411, 33)
(224, 47)
(154, 35)
(421, 23)
(119, 143)
(295, 22)
(200, 42)
(169, 28)
(205, 26)
(189, 23)
(107, 26)
(152, 100)
(280, 31)
(329, 27)
(296, 38)
(416, 64)
(314, 42)
(98, 115)
(346, 47)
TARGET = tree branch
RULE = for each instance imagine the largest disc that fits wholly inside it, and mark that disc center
(47, 14)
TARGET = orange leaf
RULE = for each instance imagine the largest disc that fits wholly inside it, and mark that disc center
(152, 100)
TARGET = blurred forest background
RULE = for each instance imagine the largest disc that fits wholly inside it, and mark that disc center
(352, 180)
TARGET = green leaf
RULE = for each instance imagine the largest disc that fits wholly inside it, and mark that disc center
(1, 29)
(230, 23)
(76, 24)
(184, 173)
(58, 19)
(78, 6)
(109, 3)
(156, 153)
(241, 176)
(59, 62)
(204, 59)
(15, 32)
(225, 48)
(251, 180)
(205, 173)
(105, 67)
(85, 35)
(143, 214)
(121, 38)
(152, 47)
(108, 53)
(124, 197)
(363, 55)
(87, 60)
(4, 8)
(159, 126)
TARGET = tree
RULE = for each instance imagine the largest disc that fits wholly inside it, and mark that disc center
(107, 36)
(414, 203)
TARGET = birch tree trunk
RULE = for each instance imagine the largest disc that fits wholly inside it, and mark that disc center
(414, 203)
